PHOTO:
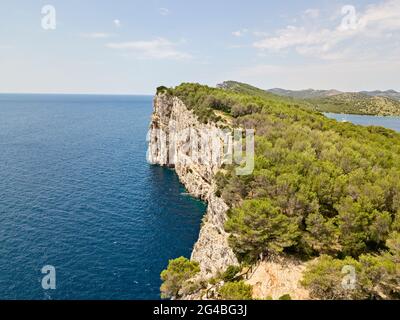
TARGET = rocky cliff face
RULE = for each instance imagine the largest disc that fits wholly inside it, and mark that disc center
(178, 140)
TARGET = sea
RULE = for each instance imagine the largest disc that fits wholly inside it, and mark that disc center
(77, 194)
(387, 122)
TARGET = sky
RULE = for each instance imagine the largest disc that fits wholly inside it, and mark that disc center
(131, 47)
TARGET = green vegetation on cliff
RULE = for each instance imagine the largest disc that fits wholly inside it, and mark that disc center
(176, 278)
(319, 188)
(236, 291)
(206, 102)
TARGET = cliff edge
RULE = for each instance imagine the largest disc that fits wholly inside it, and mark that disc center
(173, 126)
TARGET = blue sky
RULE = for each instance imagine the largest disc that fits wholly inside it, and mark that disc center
(131, 47)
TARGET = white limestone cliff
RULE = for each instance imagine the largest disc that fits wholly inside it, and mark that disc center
(171, 118)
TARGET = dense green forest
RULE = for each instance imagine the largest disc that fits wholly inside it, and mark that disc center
(320, 188)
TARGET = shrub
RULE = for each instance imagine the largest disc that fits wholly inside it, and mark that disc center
(231, 273)
(236, 291)
(163, 89)
(245, 109)
(176, 276)
(324, 278)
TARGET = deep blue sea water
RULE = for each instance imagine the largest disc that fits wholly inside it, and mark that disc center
(77, 193)
(387, 122)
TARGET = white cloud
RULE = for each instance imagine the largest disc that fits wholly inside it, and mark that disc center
(382, 17)
(368, 27)
(158, 48)
(239, 33)
(311, 13)
(164, 11)
(117, 23)
(97, 35)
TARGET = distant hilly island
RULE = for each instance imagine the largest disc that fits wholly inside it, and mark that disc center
(383, 103)
(311, 93)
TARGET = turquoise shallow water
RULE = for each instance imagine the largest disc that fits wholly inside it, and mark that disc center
(387, 122)
(77, 193)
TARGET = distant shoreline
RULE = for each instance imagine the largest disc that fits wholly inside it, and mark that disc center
(362, 120)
